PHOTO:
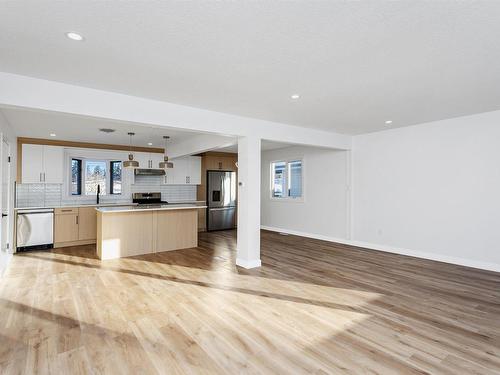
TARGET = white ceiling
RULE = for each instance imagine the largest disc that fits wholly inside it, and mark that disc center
(355, 64)
(264, 146)
(39, 124)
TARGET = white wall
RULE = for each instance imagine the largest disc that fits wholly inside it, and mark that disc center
(431, 190)
(324, 211)
(8, 134)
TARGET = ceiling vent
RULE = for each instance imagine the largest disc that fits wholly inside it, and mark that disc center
(107, 130)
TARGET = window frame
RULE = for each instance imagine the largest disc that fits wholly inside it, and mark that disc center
(79, 182)
(287, 162)
(91, 156)
(111, 180)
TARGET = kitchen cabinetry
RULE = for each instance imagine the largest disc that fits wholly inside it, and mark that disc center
(212, 161)
(87, 223)
(65, 225)
(148, 160)
(74, 226)
(42, 164)
(186, 171)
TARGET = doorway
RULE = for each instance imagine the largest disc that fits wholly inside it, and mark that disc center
(5, 192)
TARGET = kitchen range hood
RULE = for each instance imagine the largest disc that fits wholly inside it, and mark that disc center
(149, 172)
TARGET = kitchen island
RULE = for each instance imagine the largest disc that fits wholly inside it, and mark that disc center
(134, 230)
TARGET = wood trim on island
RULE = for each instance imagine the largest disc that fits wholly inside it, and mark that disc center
(129, 233)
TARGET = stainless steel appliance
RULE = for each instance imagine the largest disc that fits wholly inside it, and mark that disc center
(148, 198)
(221, 200)
(35, 229)
(149, 172)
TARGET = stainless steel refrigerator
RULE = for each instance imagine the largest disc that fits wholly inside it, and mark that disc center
(221, 200)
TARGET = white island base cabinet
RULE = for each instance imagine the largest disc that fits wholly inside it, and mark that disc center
(129, 233)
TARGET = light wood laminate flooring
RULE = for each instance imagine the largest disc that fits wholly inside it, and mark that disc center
(313, 308)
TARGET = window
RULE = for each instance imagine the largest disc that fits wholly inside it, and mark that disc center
(87, 174)
(95, 174)
(76, 176)
(115, 183)
(286, 179)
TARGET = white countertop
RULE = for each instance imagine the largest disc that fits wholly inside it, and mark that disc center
(77, 205)
(163, 207)
(99, 205)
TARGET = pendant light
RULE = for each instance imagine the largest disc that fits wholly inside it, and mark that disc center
(165, 163)
(130, 163)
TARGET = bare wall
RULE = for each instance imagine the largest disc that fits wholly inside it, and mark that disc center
(324, 211)
(431, 190)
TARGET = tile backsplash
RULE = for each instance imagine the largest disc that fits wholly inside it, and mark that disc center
(47, 195)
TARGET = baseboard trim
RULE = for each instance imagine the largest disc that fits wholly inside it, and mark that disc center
(390, 249)
(248, 263)
(74, 243)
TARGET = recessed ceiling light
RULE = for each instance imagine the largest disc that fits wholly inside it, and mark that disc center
(52, 134)
(295, 96)
(150, 144)
(388, 122)
(74, 36)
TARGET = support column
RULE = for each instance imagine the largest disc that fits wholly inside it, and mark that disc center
(249, 170)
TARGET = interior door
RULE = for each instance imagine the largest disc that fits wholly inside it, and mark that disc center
(5, 168)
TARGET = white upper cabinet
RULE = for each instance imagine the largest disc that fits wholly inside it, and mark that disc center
(180, 171)
(148, 160)
(195, 170)
(156, 159)
(42, 164)
(53, 161)
(32, 164)
(186, 171)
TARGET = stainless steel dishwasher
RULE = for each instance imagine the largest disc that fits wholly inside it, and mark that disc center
(35, 229)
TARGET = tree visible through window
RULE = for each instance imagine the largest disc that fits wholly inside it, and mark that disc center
(76, 176)
(87, 174)
(95, 174)
(116, 177)
(286, 179)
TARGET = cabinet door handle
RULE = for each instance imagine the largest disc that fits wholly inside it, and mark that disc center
(77, 219)
(40, 177)
(43, 176)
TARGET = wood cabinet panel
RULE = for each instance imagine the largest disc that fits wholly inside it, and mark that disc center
(202, 220)
(87, 223)
(66, 227)
(66, 211)
(124, 234)
(214, 162)
(176, 229)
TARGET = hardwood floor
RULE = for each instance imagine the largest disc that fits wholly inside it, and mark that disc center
(313, 307)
